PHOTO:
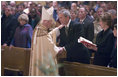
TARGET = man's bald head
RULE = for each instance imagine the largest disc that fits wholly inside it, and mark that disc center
(74, 6)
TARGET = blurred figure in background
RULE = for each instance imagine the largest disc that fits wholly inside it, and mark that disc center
(4, 4)
(74, 15)
(113, 13)
(33, 18)
(97, 5)
(13, 10)
(55, 6)
(74, 6)
(104, 6)
(97, 27)
(20, 7)
(8, 26)
(12, 4)
(39, 9)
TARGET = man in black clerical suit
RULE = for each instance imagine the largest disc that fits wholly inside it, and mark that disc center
(69, 34)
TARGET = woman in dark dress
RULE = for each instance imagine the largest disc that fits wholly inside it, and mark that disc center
(23, 33)
(104, 42)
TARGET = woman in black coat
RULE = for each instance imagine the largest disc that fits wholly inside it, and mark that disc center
(104, 42)
(113, 61)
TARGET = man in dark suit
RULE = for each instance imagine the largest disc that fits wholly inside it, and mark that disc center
(87, 23)
(8, 27)
(69, 34)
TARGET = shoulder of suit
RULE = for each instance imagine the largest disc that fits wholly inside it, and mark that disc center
(75, 23)
(88, 20)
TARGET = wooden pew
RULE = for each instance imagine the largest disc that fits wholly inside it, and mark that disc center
(18, 59)
(2, 63)
(61, 57)
(79, 69)
(15, 59)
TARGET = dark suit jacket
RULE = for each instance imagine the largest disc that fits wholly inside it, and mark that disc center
(104, 41)
(75, 51)
(113, 61)
(8, 27)
(88, 28)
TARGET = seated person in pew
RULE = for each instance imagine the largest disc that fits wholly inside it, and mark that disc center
(113, 61)
(23, 34)
(104, 42)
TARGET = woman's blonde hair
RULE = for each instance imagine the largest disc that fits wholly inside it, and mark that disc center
(23, 17)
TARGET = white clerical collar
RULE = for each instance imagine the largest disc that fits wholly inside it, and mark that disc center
(68, 23)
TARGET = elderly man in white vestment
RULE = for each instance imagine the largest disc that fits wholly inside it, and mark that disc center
(43, 43)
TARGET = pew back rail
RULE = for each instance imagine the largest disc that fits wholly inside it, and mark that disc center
(16, 59)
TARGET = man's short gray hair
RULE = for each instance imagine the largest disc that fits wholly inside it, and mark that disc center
(65, 12)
